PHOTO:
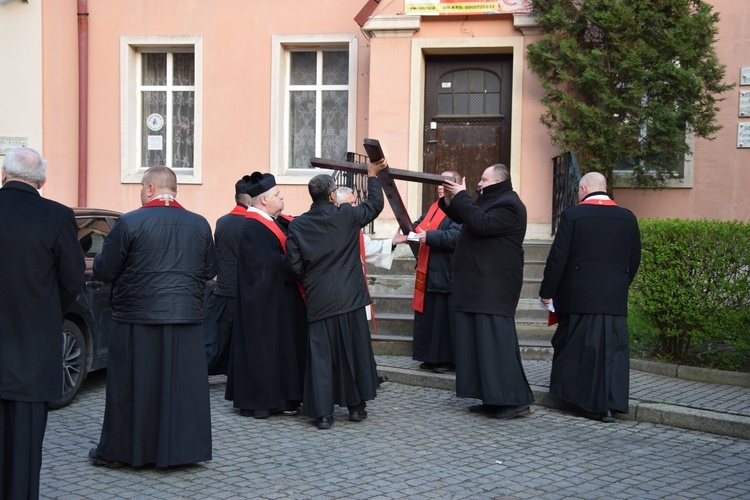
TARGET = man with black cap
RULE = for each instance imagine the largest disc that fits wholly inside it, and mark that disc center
(266, 365)
(323, 249)
(220, 303)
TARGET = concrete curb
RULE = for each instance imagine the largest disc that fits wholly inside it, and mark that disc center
(714, 422)
(693, 373)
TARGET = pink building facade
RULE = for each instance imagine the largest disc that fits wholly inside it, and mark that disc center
(218, 89)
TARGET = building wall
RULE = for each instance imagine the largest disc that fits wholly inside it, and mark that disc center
(21, 75)
(237, 82)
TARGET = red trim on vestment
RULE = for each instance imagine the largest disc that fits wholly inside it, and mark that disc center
(166, 202)
(239, 210)
(434, 217)
(276, 230)
(605, 203)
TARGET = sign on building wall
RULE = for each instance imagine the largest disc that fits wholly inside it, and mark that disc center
(743, 135)
(8, 143)
(464, 7)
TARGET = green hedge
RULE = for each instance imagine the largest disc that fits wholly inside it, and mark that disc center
(690, 302)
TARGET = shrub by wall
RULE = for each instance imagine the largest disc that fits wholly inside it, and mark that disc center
(690, 302)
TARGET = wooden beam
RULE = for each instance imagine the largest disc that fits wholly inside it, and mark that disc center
(387, 177)
(395, 173)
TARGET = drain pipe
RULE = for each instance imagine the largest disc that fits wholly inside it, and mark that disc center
(83, 101)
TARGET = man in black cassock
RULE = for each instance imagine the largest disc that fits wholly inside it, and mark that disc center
(434, 338)
(220, 303)
(270, 329)
(158, 259)
(42, 268)
(593, 260)
(487, 280)
(324, 250)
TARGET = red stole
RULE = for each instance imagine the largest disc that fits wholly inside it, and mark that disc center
(433, 219)
(239, 210)
(166, 202)
(271, 225)
(552, 316)
(276, 230)
(605, 203)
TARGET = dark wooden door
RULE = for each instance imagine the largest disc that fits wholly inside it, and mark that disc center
(466, 116)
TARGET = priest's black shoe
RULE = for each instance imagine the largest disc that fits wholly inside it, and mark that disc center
(357, 416)
(483, 408)
(97, 460)
(608, 417)
(509, 412)
(324, 422)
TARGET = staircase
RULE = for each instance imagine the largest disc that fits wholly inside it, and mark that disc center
(391, 292)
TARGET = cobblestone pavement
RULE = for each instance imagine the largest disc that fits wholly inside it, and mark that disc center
(644, 387)
(418, 443)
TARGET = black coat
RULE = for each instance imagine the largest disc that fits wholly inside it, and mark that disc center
(323, 249)
(270, 331)
(593, 260)
(42, 267)
(158, 260)
(227, 238)
(441, 241)
(488, 259)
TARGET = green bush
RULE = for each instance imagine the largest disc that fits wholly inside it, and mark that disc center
(690, 302)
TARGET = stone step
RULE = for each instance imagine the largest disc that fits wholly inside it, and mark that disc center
(396, 285)
(392, 345)
(536, 250)
(402, 326)
(528, 310)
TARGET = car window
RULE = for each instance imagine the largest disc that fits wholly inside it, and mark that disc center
(91, 234)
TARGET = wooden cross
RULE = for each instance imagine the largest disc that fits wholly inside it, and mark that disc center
(387, 177)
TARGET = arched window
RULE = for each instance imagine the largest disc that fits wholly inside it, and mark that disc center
(469, 92)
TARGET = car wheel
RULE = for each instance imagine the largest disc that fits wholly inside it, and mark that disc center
(74, 369)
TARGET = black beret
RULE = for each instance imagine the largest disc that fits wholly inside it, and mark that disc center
(241, 186)
(260, 183)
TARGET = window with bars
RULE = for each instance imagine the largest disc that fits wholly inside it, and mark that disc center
(469, 92)
(161, 115)
(167, 103)
(318, 103)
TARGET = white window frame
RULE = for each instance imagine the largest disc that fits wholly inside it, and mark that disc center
(131, 171)
(282, 45)
(622, 178)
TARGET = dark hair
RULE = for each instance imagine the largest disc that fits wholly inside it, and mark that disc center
(321, 186)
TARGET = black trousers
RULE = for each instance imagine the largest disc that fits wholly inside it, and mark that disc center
(22, 427)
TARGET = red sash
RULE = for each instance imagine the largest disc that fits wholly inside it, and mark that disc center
(166, 202)
(433, 219)
(606, 203)
(552, 316)
(276, 230)
(239, 210)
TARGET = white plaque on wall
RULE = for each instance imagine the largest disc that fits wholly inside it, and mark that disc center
(743, 135)
(745, 76)
(745, 103)
(8, 143)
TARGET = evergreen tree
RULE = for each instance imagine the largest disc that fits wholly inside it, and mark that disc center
(624, 81)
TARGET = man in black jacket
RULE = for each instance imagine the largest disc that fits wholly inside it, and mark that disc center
(593, 260)
(42, 268)
(158, 259)
(220, 303)
(323, 249)
(487, 280)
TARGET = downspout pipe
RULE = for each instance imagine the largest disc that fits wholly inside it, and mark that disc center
(83, 101)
